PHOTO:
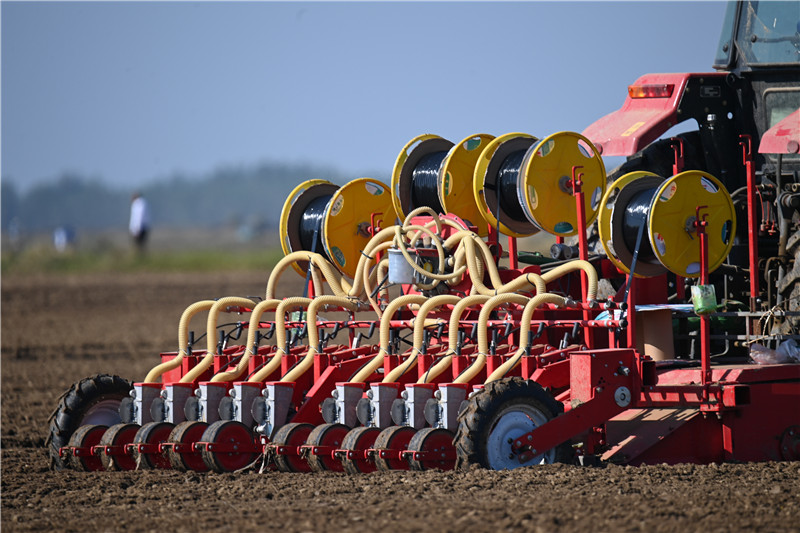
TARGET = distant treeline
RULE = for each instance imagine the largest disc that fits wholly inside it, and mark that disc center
(228, 196)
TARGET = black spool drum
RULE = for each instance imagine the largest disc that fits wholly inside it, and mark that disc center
(425, 182)
(507, 185)
(634, 217)
(310, 222)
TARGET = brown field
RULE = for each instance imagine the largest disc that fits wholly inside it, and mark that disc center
(56, 331)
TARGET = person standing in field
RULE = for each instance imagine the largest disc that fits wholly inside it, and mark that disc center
(139, 224)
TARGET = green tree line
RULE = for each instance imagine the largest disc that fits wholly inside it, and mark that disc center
(230, 195)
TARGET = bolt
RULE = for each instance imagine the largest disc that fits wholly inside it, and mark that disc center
(512, 440)
(529, 437)
(533, 451)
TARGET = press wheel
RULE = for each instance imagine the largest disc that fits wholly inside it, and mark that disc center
(359, 440)
(438, 442)
(326, 435)
(119, 435)
(153, 434)
(237, 445)
(187, 433)
(393, 438)
(85, 437)
(292, 435)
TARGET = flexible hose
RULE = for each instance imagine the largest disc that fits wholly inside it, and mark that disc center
(250, 348)
(452, 336)
(524, 332)
(419, 334)
(287, 305)
(572, 266)
(223, 304)
(183, 341)
(313, 332)
(483, 333)
(368, 369)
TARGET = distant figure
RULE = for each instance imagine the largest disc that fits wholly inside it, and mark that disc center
(63, 237)
(139, 224)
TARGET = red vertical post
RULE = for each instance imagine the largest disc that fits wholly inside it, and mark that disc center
(705, 322)
(677, 167)
(583, 248)
(746, 143)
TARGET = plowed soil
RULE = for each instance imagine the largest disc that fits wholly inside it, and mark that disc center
(56, 331)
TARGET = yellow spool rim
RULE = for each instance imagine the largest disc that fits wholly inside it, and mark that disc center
(402, 173)
(347, 216)
(547, 172)
(609, 231)
(671, 213)
(293, 208)
(456, 178)
(492, 156)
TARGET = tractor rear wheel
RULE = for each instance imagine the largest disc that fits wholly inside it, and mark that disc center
(501, 412)
(91, 401)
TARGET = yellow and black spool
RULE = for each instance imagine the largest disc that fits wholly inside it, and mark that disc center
(667, 210)
(495, 184)
(433, 172)
(545, 182)
(339, 217)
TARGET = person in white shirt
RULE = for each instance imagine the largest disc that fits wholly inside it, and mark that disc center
(139, 225)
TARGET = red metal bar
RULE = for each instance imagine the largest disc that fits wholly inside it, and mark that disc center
(583, 248)
(705, 322)
(677, 167)
(746, 142)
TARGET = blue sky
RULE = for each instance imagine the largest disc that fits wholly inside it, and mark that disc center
(133, 92)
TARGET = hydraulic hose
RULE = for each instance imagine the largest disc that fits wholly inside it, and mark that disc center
(524, 332)
(287, 305)
(250, 347)
(419, 334)
(228, 304)
(483, 333)
(183, 341)
(368, 369)
(313, 332)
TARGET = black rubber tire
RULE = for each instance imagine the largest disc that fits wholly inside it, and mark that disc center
(393, 438)
(481, 414)
(74, 406)
(86, 436)
(292, 434)
(228, 432)
(438, 440)
(790, 287)
(360, 438)
(326, 435)
(187, 432)
(152, 433)
(119, 435)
